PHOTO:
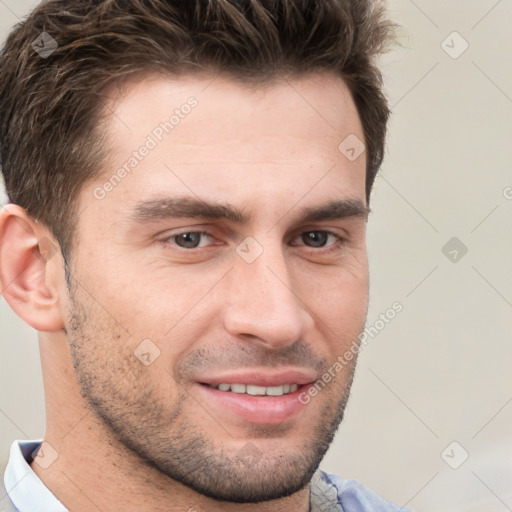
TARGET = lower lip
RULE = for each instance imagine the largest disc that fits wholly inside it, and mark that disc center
(260, 410)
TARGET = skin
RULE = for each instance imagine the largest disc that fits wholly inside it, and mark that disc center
(119, 426)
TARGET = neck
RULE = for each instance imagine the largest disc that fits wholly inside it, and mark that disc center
(90, 474)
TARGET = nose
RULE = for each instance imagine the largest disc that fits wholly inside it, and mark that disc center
(262, 305)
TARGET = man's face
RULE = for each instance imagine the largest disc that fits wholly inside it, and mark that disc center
(232, 253)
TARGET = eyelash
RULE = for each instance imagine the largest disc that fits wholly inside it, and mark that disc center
(326, 249)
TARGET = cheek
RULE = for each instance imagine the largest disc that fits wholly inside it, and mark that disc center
(345, 314)
(339, 300)
(335, 287)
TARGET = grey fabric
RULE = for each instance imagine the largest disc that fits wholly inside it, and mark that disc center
(323, 495)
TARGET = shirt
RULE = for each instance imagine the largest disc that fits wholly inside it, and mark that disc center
(25, 492)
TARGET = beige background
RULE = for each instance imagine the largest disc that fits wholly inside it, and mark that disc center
(441, 370)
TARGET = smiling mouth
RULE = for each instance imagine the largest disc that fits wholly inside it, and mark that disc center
(252, 390)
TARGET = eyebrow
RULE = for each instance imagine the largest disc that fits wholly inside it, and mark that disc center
(184, 207)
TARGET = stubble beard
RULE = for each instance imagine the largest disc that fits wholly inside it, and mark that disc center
(117, 388)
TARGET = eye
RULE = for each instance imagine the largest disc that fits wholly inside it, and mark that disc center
(315, 238)
(318, 239)
(190, 239)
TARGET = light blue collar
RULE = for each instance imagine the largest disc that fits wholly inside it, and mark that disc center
(23, 486)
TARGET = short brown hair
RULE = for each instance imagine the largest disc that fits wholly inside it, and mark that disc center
(51, 108)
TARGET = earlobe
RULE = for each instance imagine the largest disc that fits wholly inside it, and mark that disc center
(26, 251)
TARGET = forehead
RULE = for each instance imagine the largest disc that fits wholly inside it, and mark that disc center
(307, 106)
(212, 136)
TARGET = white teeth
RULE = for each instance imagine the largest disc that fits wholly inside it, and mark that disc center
(238, 388)
(250, 389)
(255, 390)
(275, 390)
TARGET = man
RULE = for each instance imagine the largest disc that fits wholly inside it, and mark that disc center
(189, 186)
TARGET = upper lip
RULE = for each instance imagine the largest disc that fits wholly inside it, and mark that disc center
(261, 377)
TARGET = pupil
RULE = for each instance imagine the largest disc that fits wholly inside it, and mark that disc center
(315, 238)
(188, 240)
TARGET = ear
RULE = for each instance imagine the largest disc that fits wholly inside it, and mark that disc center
(26, 251)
